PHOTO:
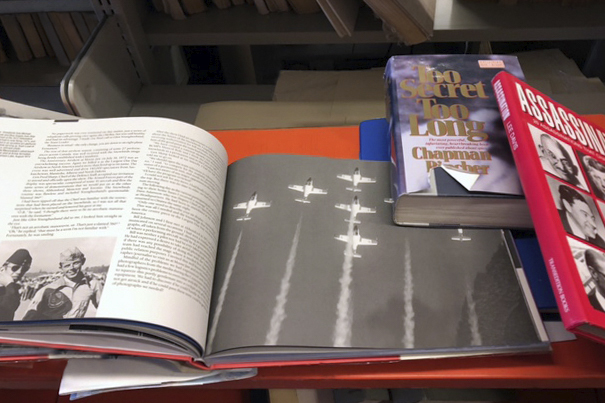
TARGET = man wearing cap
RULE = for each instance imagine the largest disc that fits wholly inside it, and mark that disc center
(69, 295)
(11, 273)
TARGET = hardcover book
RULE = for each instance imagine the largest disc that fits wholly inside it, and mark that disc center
(452, 165)
(134, 236)
(561, 162)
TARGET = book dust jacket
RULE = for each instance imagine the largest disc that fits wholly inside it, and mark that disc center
(443, 113)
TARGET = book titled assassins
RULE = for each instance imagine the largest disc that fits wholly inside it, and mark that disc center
(560, 157)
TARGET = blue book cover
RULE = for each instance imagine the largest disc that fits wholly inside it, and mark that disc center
(374, 140)
(535, 271)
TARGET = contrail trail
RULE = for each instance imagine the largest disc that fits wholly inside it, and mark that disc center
(408, 293)
(279, 312)
(221, 297)
(473, 319)
(344, 309)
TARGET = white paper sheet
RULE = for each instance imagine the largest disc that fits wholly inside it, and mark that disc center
(86, 377)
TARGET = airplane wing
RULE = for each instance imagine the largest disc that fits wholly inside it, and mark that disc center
(343, 206)
(367, 241)
(367, 210)
(345, 177)
(261, 205)
(240, 205)
(317, 191)
(298, 188)
(460, 237)
(343, 238)
(367, 180)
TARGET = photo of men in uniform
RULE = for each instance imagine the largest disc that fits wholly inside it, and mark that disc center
(596, 175)
(54, 278)
(69, 295)
(558, 159)
(595, 261)
(11, 273)
(578, 213)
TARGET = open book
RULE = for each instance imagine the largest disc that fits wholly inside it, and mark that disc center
(135, 236)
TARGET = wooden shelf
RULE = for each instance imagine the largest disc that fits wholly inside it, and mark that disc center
(455, 20)
(474, 20)
(244, 25)
(27, 6)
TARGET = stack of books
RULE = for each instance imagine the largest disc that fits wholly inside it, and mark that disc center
(59, 35)
(141, 237)
(410, 21)
(531, 164)
(155, 241)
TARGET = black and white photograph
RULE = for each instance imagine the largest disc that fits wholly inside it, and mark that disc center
(595, 172)
(558, 158)
(438, 289)
(53, 279)
(578, 213)
(590, 263)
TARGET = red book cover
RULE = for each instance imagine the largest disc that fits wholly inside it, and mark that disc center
(560, 157)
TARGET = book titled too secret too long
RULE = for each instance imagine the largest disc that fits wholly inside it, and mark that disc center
(452, 165)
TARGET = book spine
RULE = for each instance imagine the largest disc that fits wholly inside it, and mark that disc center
(31, 34)
(80, 25)
(53, 39)
(43, 37)
(69, 26)
(17, 37)
(552, 238)
(63, 36)
(394, 121)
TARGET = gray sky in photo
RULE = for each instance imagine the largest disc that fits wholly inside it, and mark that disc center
(442, 269)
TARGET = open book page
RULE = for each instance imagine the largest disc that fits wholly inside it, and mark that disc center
(320, 266)
(117, 218)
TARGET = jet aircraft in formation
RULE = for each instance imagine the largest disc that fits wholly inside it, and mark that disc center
(307, 189)
(356, 240)
(356, 179)
(250, 205)
(354, 208)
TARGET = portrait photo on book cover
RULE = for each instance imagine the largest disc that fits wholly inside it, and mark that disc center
(578, 212)
(590, 263)
(558, 158)
(595, 173)
(53, 278)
